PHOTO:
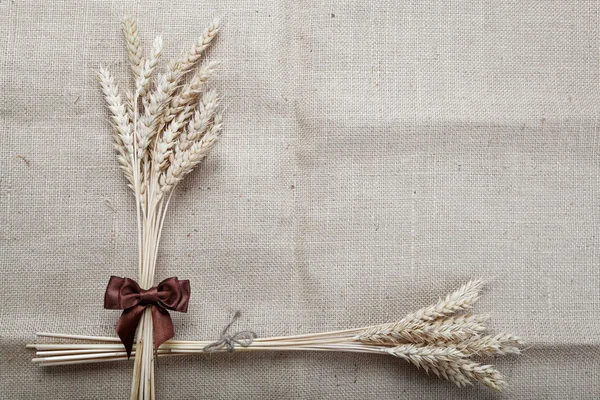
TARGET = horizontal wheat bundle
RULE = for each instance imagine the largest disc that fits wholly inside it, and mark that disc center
(445, 339)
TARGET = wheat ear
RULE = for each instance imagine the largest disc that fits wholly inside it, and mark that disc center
(188, 60)
(449, 329)
(431, 323)
(184, 161)
(449, 363)
(147, 67)
(190, 92)
(460, 300)
(500, 344)
(132, 44)
(122, 135)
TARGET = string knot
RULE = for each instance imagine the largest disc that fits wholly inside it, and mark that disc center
(228, 342)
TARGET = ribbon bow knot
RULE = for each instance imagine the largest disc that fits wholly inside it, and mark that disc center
(125, 294)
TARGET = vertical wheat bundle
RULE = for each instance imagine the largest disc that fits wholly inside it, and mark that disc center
(162, 129)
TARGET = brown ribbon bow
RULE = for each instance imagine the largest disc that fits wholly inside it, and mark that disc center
(125, 294)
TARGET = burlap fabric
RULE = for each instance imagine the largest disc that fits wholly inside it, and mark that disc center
(375, 156)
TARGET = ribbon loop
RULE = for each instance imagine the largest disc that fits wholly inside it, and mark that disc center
(125, 294)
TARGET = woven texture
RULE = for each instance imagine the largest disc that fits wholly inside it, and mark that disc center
(376, 155)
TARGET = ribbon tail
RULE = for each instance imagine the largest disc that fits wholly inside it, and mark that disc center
(163, 326)
(127, 325)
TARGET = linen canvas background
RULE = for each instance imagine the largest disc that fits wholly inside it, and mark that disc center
(375, 156)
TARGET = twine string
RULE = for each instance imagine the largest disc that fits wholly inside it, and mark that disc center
(228, 342)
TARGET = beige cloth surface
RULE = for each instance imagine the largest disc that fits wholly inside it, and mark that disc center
(375, 156)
